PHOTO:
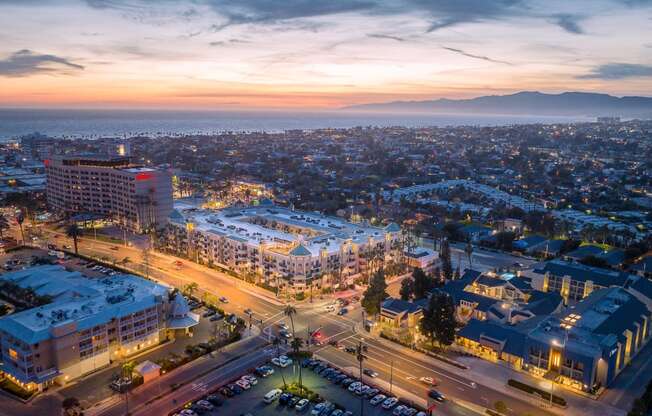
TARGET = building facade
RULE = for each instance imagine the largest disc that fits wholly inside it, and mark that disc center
(89, 323)
(134, 197)
(281, 247)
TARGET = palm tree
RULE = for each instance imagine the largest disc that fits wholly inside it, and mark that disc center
(190, 288)
(290, 311)
(296, 345)
(73, 231)
(469, 253)
(277, 343)
(20, 219)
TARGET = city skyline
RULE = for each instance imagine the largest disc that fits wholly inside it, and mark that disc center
(305, 55)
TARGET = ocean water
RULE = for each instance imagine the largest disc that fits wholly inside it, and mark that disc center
(119, 123)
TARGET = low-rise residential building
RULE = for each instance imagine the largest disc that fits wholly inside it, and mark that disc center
(279, 246)
(584, 347)
(89, 323)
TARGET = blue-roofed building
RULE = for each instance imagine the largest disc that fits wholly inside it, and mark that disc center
(584, 347)
(574, 281)
(89, 323)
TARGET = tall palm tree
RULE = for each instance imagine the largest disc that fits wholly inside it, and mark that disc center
(296, 345)
(277, 343)
(20, 218)
(290, 311)
(73, 231)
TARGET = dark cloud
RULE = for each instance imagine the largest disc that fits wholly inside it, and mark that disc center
(474, 56)
(390, 37)
(446, 13)
(228, 42)
(25, 62)
(274, 11)
(616, 71)
(569, 22)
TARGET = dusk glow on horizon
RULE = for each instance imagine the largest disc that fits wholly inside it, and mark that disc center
(302, 54)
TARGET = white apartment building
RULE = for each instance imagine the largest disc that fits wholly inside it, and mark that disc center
(90, 323)
(137, 198)
(281, 247)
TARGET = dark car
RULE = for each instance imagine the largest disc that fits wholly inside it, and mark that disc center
(340, 378)
(226, 392)
(214, 399)
(350, 350)
(347, 381)
(343, 311)
(369, 372)
(434, 394)
(235, 388)
(284, 399)
(314, 363)
(306, 362)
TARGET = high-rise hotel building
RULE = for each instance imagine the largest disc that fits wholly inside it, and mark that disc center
(135, 197)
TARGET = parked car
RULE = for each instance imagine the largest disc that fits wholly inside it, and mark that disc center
(284, 399)
(293, 401)
(316, 411)
(244, 384)
(302, 405)
(337, 412)
(205, 404)
(371, 392)
(272, 395)
(226, 392)
(250, 379)
(347, 382)
(398, 410)
(354, 386)
(390, 402)
(209, 313)
(377, 399)
(235, 388)
(214, 399)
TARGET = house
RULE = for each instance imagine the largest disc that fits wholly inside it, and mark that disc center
(547, 248)
(475, 233)
(525, 244)
(399, 319)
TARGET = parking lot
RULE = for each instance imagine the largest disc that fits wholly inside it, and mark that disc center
(251, 401)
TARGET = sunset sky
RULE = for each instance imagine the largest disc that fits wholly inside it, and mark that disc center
(315, 54)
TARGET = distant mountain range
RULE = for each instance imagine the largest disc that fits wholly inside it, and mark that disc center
(525, 102)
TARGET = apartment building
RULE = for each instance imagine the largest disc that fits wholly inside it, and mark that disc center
(279, 246)
(135, 197)
(573, 281)
(89, 323)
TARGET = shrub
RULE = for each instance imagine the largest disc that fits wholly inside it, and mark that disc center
(534, 390)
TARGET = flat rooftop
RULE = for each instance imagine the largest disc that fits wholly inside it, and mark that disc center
(75, 297)
(273, 225)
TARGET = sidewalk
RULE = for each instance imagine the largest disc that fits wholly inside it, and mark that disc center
(495, 377)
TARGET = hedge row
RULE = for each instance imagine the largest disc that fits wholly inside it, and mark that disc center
(534, 390)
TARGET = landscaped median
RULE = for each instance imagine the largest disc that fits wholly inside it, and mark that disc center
(545, 395)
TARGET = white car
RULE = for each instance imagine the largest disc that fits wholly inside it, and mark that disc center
(377, 399)
(428, 381)
(354, 386)
(390, 402)
(301, 405)
(398, 410)
(244, 384)
(318, 408)
(250, 379)
(187, 412)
